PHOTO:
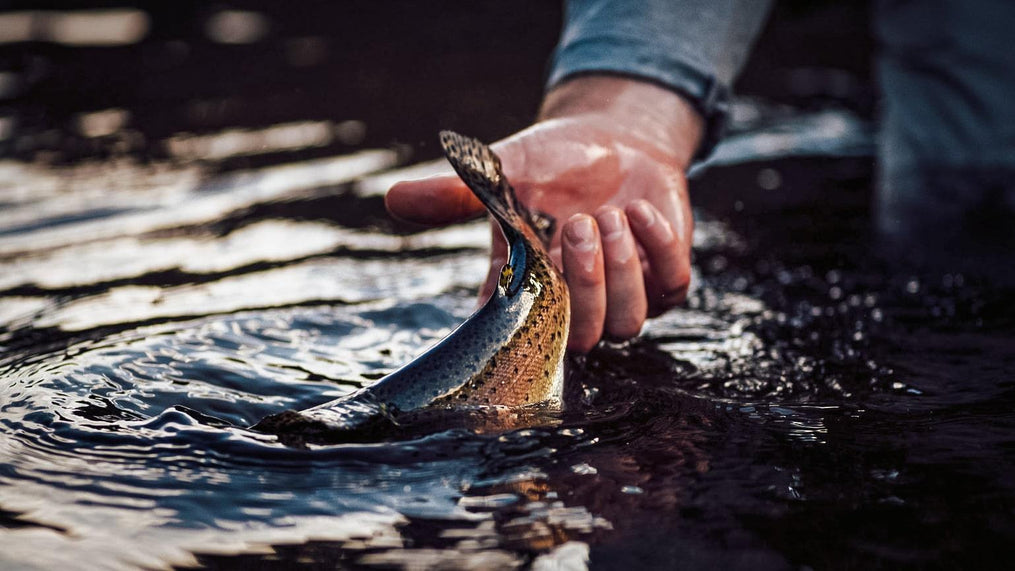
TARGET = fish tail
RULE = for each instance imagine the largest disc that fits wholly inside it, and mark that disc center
(480, 169)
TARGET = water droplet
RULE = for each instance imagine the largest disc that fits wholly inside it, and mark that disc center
(584, 469)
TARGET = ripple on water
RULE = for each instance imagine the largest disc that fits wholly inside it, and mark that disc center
(797, 411)
(140, 436)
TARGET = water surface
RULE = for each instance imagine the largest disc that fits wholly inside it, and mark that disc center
(810, 406)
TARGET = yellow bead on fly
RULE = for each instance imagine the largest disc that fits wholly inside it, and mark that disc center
(506, 275)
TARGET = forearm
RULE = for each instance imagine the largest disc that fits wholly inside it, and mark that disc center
(693, 48)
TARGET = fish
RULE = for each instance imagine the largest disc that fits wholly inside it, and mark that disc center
(509, 353)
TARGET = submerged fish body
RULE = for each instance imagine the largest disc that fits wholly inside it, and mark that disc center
(509, 353)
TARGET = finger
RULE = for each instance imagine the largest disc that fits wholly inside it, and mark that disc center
(582, 256)
(669, 263)
(433, 201)
(626, 306)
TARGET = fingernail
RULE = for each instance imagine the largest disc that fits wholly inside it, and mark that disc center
(580, 233)
(612, 225)
(641, 214)
(615, 231)
(582, 236)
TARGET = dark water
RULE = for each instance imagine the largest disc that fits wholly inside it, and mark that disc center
(809, 407)
(812, 406)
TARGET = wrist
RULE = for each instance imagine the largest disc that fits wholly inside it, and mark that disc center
(636, 108)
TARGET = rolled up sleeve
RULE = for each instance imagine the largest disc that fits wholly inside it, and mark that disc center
(693, 47)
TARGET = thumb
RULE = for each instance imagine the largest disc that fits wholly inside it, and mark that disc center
(433, 201)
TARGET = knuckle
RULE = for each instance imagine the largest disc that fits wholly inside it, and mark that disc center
(624, 262)
(668, 240)
(581, 275)
(618, 268)
(584, 280)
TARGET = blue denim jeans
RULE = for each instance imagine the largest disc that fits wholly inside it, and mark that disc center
(946, 168)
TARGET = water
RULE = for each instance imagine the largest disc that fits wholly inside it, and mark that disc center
(809, 407)
(168, 278)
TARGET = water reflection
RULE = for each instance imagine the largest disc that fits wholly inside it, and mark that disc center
(241, 142)
(806, 407)
(102, 123)
(236, 26)
(110, 27)
(175, 201)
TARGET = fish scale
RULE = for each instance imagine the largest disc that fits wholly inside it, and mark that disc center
(509, 353)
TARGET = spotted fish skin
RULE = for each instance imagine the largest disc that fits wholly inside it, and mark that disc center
(510, 352)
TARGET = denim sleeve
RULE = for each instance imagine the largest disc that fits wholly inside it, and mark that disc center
(694, 47)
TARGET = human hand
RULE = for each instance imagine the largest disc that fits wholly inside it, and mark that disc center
(607, 161)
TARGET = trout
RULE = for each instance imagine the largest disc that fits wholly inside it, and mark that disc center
(510, 352)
